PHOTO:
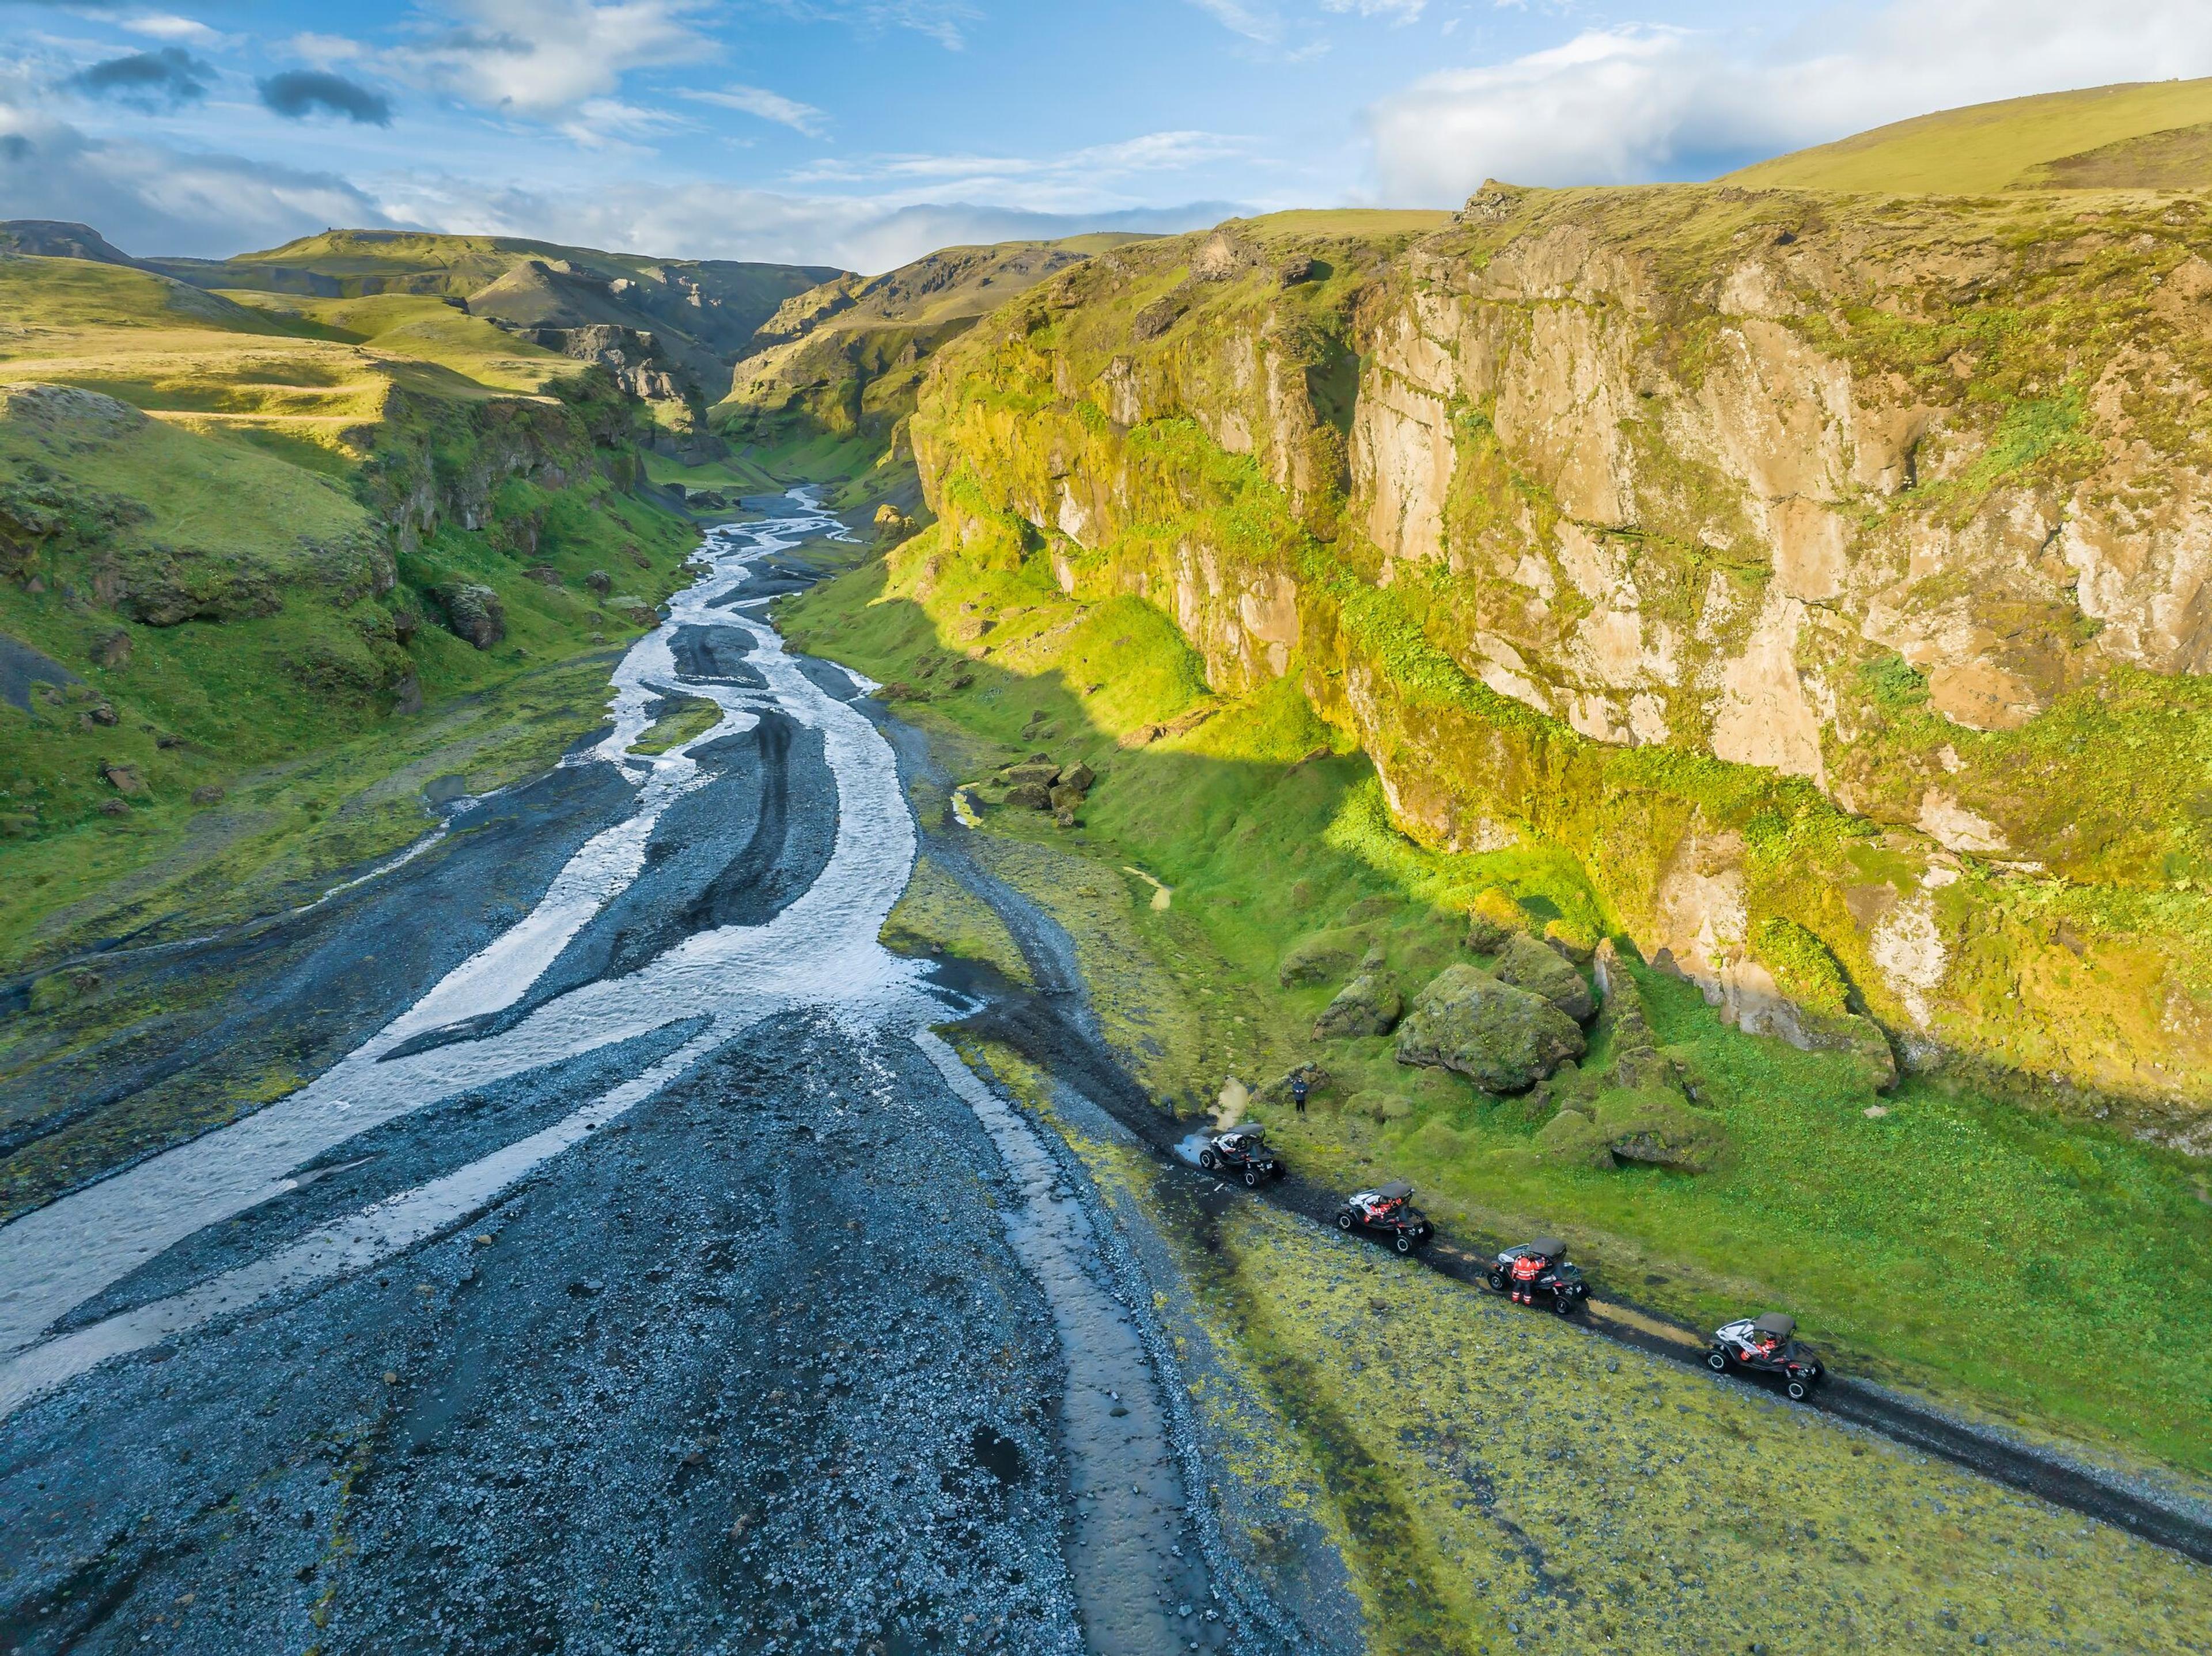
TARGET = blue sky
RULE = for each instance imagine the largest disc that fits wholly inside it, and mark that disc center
(861, 132)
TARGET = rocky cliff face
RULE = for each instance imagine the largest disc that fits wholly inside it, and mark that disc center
(1827, 573)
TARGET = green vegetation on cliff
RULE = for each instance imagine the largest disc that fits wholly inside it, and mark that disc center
(1767, 555)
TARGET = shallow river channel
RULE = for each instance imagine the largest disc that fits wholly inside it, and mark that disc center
(654, 1279)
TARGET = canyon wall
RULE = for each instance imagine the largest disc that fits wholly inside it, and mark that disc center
(1827, 573)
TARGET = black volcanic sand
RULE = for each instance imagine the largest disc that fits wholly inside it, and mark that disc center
(754, 1360)
(735, 851)
(181, 1032)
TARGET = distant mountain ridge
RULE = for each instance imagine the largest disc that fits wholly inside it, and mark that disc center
(845, 357)
(61, 239)
(679, 322)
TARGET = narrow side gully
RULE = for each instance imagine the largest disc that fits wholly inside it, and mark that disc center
(1055, 1030)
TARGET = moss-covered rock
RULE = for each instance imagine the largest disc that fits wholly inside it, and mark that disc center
(1653, 1125)
(474, 613)
(1378, 1106)
(1492, 919)
(1637, 1063)
(1369, 1006)
(1542, 970)
(1503, 1039)
(1320, 955)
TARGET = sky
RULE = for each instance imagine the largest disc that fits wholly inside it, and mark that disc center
(862, 133)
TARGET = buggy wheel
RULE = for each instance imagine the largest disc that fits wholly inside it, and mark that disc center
(1717, 1360)
(1564, 1303)
(1403, 1241)
(1344, 1221)
(1251, 1178)
(1207, 1160)
(1797, 1390)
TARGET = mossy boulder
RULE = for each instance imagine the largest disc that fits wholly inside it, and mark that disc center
(1637, 1063)
(1381, 1106)
(1653, 1125)
(1319, 956)
(1503, 1039)
(1492, 919)
(1369, 1006)
(1542, 970)
(1859, 1039)
(1574, 943)
(473, 612)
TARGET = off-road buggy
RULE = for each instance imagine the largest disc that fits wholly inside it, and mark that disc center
(1549, 1273)
(1766, 1346)
(1387, 1211)
(1243, 1151)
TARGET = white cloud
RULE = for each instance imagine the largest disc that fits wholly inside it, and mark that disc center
(542, 58)
(714, 220)
(611, 124)
(1073, 181)
(943, 21)
(1637, 103)
(1403, 11)
(148, 198)
(768, 106)
(324, 50)
(161, 26)
(1262, 25)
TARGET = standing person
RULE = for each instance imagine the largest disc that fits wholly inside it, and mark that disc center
(1298, 1091)
(1526, 1269)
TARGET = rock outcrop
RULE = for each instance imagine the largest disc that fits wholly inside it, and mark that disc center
(1503, 1039)
(1542, 970)
(1370, 1004)
(1654, 1126)
(474, 614)
(1320, 956)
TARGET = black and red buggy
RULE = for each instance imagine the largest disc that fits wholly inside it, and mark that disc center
(1540, 1271)
(1387, 1211)
(1766, 1345)
(1243, 1152)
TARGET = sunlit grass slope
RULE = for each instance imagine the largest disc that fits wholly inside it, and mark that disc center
(2006, 145)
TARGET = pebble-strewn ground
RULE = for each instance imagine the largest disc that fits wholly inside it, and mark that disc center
(755, 1372)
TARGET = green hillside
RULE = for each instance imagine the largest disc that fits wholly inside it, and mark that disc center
(733, 298)
(260, 552)
(2128, 137)
(844, 359)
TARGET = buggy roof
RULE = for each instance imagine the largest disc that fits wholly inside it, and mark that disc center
(1396, 1190)
(1550, 1246)
(1774, 1322)
(1245, 1129)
